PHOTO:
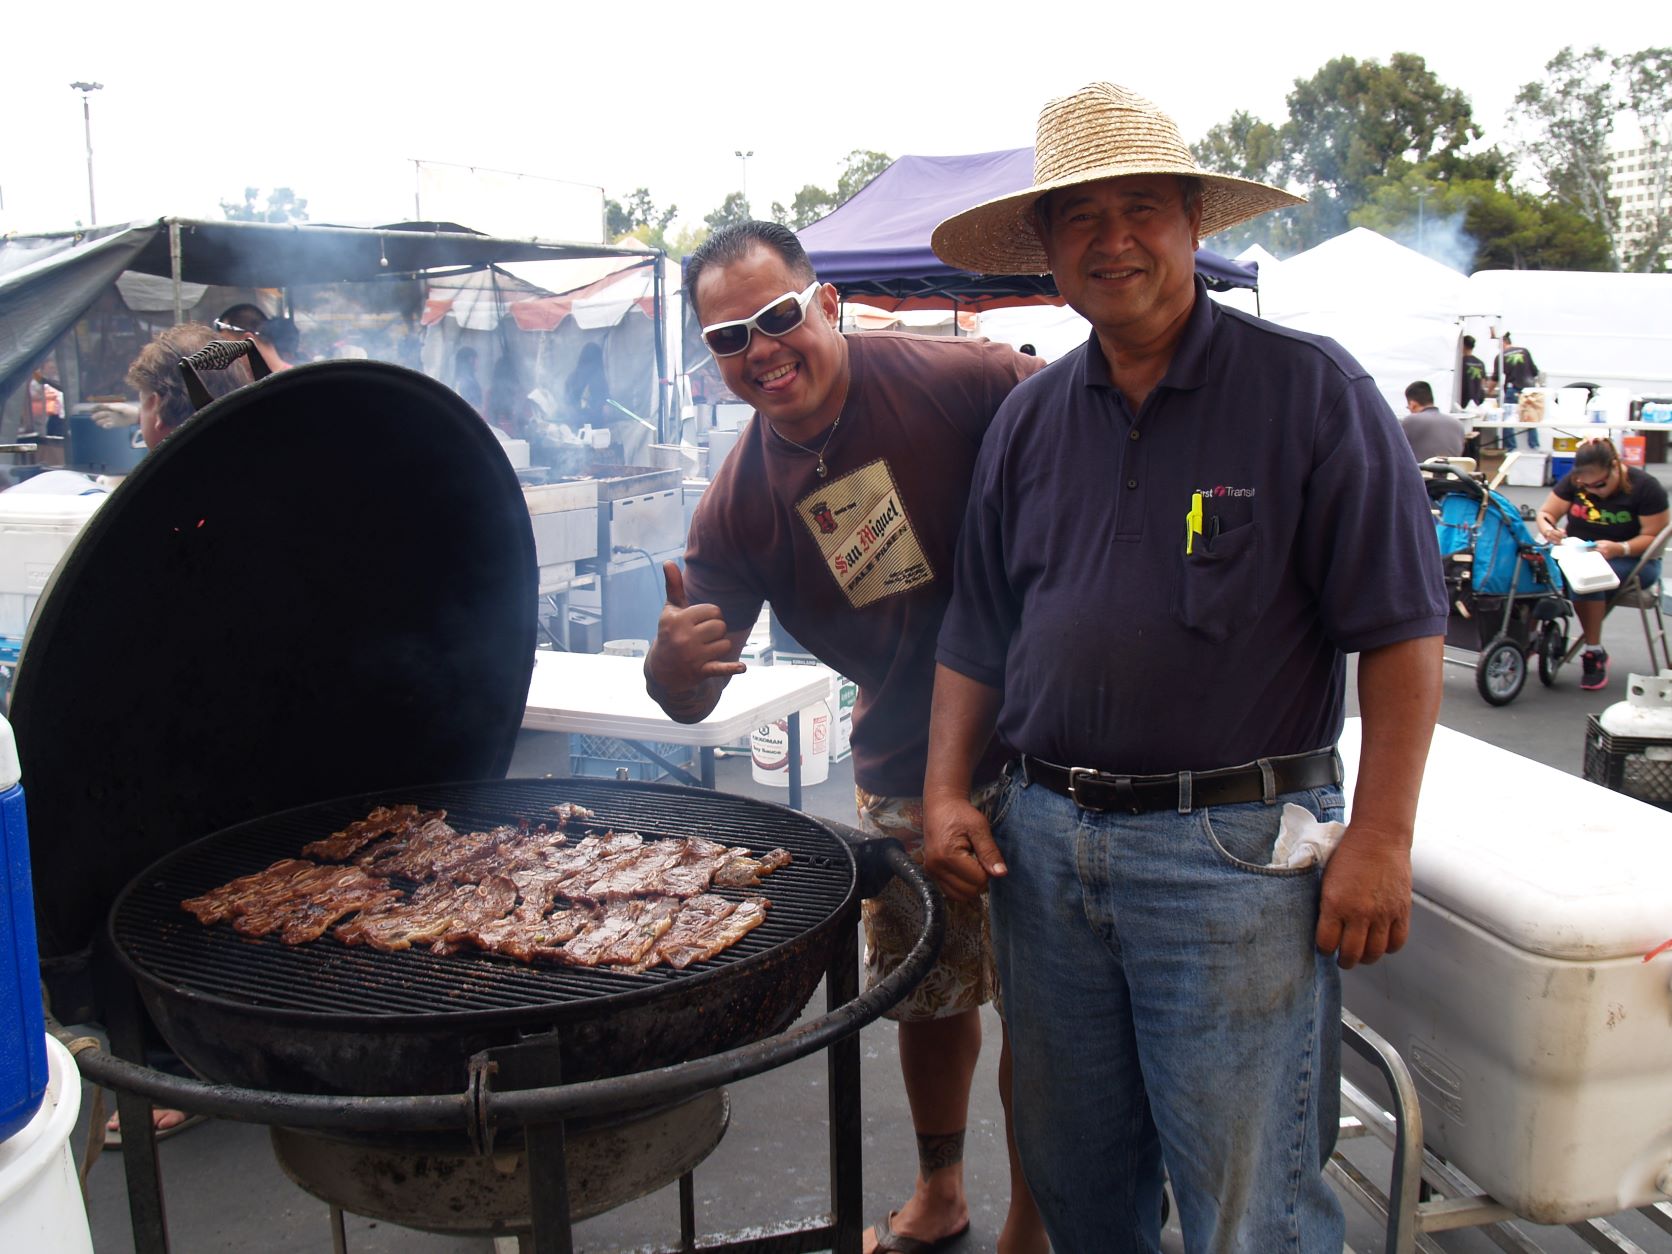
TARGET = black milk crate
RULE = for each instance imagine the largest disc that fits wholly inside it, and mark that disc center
(602, 756)
(1636, 766)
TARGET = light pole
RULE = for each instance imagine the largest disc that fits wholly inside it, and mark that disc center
(744, 158)
(87, 90)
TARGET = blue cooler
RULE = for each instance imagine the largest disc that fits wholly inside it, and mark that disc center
(23, 1068)
(1559, 466)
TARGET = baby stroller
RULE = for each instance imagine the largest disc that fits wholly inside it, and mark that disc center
(1508, 598)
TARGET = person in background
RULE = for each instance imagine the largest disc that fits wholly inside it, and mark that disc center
(239, 322)
(587, 389)
(465, 382)
(1431, 433)
(1519, 371)
(1621, 510)
(1176, 534)
(840, 506)
(1028, 350)
(1474, 375)
(155, 373)
(278, 342)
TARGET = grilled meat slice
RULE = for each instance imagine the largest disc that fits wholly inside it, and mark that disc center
(568, 811)
(527, 939)
(745, 871)
(624, 935)
(311, 902)
(233, 898)
(689, 939)
(407, 853)
(430, 913)
(382, 821)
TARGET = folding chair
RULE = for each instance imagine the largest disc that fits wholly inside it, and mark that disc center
(1646, 601)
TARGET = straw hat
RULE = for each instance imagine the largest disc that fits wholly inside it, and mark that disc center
(1100, 132)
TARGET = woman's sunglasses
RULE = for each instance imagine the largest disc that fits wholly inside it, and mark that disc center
(728, 339)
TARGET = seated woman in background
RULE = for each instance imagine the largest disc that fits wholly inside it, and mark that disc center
(1619, 508)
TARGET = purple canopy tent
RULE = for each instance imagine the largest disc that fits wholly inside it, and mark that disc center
(876, 246)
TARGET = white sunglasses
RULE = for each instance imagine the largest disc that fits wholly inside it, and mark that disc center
(776, 318)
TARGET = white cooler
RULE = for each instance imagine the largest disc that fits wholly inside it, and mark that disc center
(1539, 1039)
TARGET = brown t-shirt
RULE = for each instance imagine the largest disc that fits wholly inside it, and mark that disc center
(858, 566)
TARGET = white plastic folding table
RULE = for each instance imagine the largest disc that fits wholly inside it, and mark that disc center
(602, 695)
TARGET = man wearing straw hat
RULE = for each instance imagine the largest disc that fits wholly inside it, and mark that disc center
(1175, 535)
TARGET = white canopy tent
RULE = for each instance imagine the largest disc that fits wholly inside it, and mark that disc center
(1609, 329)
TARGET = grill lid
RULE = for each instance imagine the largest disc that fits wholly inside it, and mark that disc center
(323, 584)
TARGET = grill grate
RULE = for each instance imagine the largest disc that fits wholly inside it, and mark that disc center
(326, 977)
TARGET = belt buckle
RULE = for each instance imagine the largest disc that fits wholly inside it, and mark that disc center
(1075, 775)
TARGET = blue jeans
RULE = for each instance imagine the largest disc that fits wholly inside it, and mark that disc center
(1511, 394)
(1168, 1008)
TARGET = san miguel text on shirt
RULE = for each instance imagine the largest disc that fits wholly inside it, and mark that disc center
(865, 534)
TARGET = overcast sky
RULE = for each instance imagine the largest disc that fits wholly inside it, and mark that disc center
(335, 99)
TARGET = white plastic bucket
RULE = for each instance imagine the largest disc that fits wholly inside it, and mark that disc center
(769, 749)
(40, 1197)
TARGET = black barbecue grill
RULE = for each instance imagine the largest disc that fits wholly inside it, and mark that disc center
(264, 1013)
(317, 596)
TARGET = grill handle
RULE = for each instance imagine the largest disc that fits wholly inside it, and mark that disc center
(218, 355)
(480, 1108)
(870, 853)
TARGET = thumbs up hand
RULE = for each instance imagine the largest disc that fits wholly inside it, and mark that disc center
(692, 647)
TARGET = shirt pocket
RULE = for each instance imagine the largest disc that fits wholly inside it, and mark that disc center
(1219, 584)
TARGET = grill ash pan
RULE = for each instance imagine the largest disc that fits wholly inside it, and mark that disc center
(330, 1018)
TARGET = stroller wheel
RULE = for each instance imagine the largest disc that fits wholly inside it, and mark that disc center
(1552, 651)
(1501, 671)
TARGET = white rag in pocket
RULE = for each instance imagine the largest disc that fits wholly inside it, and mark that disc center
(1303, 841)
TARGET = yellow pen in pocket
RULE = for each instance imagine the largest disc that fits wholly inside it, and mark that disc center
(1193, 523)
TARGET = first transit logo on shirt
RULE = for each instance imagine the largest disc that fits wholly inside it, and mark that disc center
(865, 535)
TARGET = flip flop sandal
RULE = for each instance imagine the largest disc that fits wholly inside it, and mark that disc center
(113, 1136)
(891, 1242)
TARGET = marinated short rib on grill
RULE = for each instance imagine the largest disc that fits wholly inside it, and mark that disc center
(611, 899)
(706, 925)
(383, 821)
(303, 905)
(430, 914)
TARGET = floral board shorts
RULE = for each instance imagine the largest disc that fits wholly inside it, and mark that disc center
(965, 976)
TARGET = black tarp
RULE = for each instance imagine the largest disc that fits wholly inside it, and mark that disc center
(48, 281)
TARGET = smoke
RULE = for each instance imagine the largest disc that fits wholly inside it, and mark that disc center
(1441, 238)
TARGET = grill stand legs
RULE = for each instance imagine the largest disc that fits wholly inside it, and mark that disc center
(125, 1021)
(534, 1064)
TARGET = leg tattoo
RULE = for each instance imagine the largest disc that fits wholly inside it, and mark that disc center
(936, 1152)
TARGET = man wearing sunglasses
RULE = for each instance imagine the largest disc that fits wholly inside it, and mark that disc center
(841, 506)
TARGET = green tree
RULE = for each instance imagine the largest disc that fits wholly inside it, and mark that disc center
(734, 208)
(283, 205)
(1354, 122)
(639, 213)
(1244, 146)
(810, 204)
(859, 168)
(1480, 224)
(1565, 120)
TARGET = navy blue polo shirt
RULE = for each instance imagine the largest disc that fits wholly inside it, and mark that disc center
(1125, 639)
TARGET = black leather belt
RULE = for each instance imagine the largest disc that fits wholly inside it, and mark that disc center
(1264, 780)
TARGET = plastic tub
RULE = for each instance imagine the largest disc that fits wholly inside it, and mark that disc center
(40, 1197)
(769, 745)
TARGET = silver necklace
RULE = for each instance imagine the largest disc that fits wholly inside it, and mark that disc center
(821, 468)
